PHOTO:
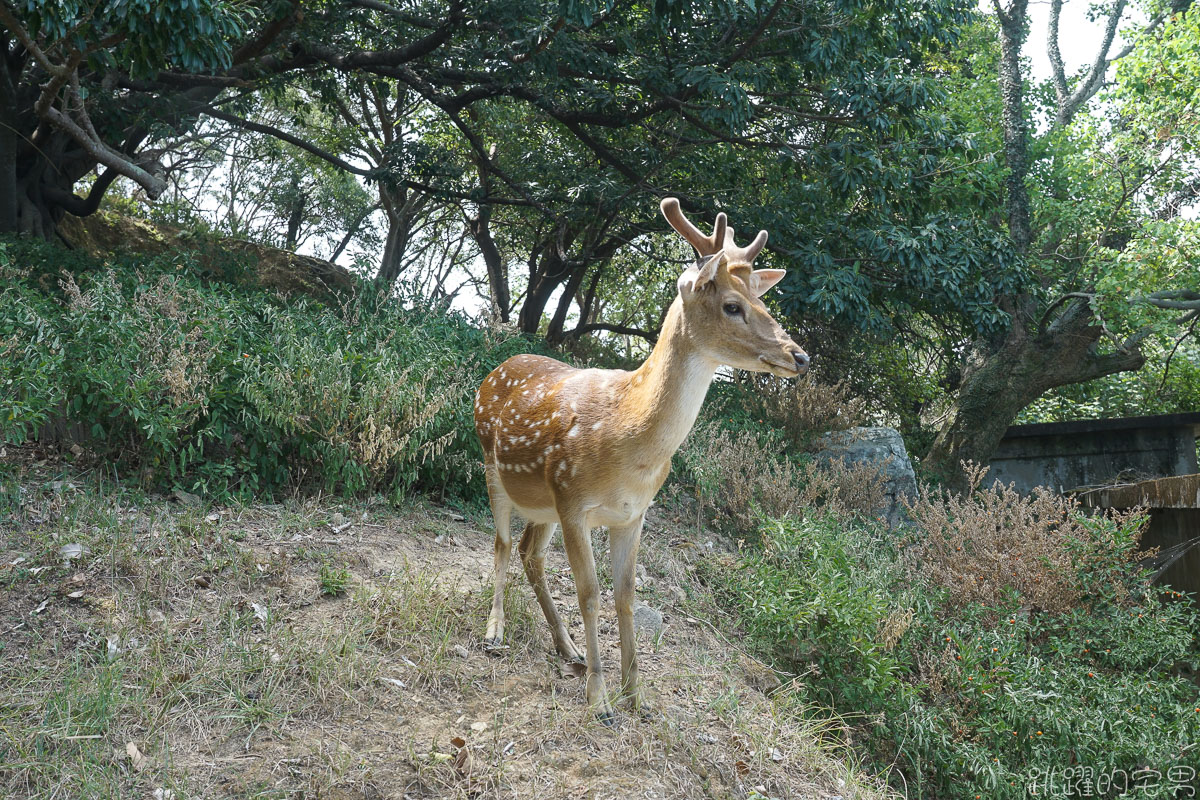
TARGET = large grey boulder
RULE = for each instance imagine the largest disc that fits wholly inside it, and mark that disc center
(878, 447)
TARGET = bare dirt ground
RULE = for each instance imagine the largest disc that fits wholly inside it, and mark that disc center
(161, 648)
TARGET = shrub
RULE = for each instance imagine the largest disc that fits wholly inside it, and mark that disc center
(31, 355)
(992, 545)
(802, 409)
(818, 596)
(963, 693)
(744, 476)
(225, 390)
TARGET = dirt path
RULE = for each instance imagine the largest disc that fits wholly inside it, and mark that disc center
(154, 648)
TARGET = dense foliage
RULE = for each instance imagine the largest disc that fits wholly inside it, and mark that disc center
(964, 699)
(178, 382)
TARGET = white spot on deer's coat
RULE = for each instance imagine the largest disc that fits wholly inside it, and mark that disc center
(574, 469)
(596, 427)
(574, 430)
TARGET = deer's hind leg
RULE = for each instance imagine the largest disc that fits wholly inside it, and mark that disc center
(535, 541)
(502, 507)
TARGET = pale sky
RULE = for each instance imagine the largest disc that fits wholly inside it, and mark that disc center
(1078, 36)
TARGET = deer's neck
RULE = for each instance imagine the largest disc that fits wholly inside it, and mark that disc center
(665, 393)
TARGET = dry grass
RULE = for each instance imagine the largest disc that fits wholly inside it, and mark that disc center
(989, 543)
(190, 651)
(803, 409)
(743, 479)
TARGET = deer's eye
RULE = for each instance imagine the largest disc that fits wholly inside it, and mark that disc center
(732, 309)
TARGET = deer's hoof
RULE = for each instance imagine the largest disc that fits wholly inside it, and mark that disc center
(607, 718)
(494, 645)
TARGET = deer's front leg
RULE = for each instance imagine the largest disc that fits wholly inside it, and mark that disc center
(623, 544)
(578, 542)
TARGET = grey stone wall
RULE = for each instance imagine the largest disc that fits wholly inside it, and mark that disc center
(1068, 455)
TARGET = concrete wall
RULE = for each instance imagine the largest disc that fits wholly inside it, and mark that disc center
(1176, 528)
(1067, 455)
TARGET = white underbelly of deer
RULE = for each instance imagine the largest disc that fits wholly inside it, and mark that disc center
(591, 447)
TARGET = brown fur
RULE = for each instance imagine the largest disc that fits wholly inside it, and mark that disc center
(590, 447)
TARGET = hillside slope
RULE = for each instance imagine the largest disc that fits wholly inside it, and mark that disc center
(154, 647)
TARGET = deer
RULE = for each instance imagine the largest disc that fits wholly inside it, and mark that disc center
(584, 448)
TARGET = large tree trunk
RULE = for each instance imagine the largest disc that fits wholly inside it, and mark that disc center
(400, 206)
(547, 271)
(9, 142)
(1001, 381)
(298, 200)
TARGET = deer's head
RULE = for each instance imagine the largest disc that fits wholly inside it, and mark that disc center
(720, 293)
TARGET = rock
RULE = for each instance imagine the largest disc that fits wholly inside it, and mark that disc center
(647, 620)
(758, 675)
(186, 498)
(461, 651)
(880, 447)
(338, 520)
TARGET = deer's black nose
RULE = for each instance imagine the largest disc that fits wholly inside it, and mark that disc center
(801, 358)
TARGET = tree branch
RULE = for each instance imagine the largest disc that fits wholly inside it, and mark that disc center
(1093, 80)
(1088, 296)
(105, 155)
(1195, 317)
(1057, 72)
(1178, 300)
(580, 330)
(291, 139)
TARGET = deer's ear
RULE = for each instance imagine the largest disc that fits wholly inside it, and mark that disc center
(702, 274)
(761, 280)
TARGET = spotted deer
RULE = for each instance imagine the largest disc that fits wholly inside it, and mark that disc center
(591, 447)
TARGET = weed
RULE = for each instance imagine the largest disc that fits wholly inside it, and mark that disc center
(991, 545)
(333, 580)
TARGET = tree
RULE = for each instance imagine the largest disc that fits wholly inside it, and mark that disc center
(248, 185)
(1081, 224)
(567, 124)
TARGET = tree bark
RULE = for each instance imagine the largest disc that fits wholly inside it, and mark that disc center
(400, 205)
(480, 227)
(9, 141)
(298, 199)
(1000, 382)
(548, 271)
(1015, 129)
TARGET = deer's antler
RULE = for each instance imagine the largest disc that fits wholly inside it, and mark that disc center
(743, 256)
(705, 245)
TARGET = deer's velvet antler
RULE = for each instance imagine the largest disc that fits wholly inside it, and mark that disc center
(704, 245)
